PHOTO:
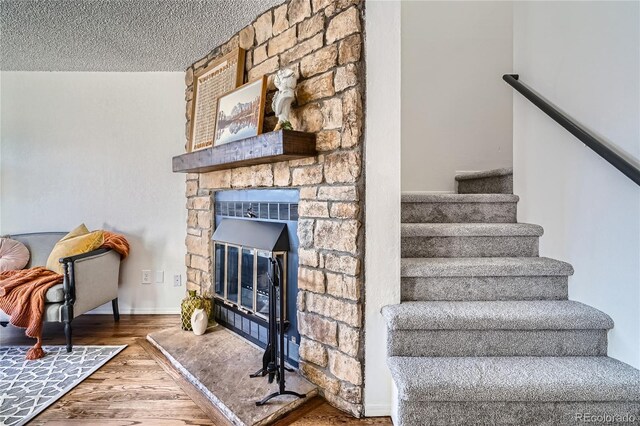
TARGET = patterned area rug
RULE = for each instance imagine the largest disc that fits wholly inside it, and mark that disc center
(28, 387)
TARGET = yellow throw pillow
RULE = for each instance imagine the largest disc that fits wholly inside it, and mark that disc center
(72, 246)
(80, 230)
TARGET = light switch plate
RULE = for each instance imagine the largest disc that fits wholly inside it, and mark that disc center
(159, 277)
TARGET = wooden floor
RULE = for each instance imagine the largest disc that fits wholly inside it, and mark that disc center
(138, 386)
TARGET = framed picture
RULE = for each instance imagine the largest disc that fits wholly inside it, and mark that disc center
(221, 76)
(241, 112)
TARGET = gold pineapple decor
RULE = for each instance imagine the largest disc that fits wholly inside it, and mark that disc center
(188, 305)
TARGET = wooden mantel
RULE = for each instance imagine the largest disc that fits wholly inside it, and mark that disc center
(269, 147)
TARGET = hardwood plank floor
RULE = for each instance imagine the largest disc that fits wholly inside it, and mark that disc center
(138, 386)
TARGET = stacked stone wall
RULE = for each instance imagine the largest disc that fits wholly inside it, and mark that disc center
(322, 41)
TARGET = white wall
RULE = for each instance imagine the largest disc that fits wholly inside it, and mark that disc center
(0, 154)
(96, 148)
(456, 110)
(382, 169)
(583, 57)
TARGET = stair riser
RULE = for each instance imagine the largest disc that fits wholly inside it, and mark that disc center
(448, 343)
(521, 246)
(488, 185)
(458, 213)
(539, 413)
(484, 288)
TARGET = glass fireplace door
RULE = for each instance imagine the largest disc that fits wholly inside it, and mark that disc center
(219, 268)
(263, 268)
(232, 273)
(243, 277)
(247, 279)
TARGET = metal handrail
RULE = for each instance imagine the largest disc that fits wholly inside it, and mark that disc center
(576, 129)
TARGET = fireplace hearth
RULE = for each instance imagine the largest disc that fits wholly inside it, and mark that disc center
(254, 227)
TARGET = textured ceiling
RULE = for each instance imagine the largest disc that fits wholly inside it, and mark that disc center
(117, 35)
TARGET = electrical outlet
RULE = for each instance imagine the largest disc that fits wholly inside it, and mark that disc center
(159, 277)
(177, 280)
(146, 276)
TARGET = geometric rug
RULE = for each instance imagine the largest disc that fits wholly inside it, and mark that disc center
(28, 387)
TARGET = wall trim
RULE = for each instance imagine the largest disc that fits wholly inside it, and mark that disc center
(377, 410)
(137, 311)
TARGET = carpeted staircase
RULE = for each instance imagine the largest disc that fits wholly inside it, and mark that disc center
(485, 333)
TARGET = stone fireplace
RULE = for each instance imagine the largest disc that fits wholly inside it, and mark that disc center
(321, 40)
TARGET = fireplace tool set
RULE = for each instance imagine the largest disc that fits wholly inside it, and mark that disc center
(273, 358)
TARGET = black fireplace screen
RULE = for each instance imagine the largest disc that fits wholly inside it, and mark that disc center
(244, 244)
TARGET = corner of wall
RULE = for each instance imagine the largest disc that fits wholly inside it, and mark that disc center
(0, 152)
(382, 160)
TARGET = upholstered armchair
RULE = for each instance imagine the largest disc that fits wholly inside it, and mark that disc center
(90, 280)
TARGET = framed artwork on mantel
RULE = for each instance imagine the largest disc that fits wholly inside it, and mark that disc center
(241, 112)
(220, 77)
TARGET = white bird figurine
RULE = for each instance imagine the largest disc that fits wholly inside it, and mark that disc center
(285, 81)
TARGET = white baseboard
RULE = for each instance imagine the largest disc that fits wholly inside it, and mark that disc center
(136, 311)
(428, 192)
(394, 404)
(377, 410)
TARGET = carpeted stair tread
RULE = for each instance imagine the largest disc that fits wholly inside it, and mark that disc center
(484, 174)
(438, 197)
(484, 267)
(498, 181)
(495, 315)
(531, 379)
(471, 230)
(429, 207)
